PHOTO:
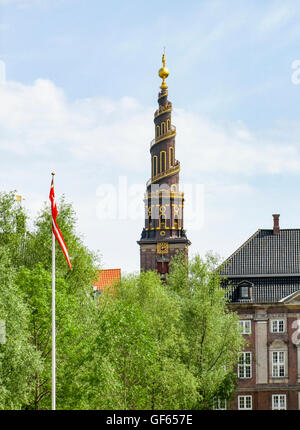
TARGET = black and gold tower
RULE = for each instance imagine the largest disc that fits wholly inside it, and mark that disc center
(163, 234)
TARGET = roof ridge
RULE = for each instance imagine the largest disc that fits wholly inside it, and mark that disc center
(270, 229)
(102, 270)
(241, 247)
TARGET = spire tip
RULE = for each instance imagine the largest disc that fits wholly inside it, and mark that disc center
(163, 73)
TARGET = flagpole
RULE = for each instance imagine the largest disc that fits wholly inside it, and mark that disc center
(53, 322)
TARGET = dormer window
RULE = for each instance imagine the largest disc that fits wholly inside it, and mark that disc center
(245, 290)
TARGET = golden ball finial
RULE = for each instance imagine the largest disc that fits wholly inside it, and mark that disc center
(163, 73)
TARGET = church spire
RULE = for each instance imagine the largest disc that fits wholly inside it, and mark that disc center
(163, 234)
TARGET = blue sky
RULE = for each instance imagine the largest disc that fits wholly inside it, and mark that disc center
(80, 92)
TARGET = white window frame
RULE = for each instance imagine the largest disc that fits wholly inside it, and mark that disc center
(243, 399)
(220, 404)
(245, 367)
(278, 364)
(279, 402)
(243, 325)
(275, 325)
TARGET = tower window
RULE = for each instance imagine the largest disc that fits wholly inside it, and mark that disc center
(171, 156)
(163, 164)
(154, 173)
(162, 221)
(163, 128)
(159, 267)
(176, 222)
(168, 124)
(157, 131)
(163, 267)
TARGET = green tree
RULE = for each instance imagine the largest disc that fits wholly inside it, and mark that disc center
(76, 319)
(141, 332)
(39, 245)
(29, 259)
(211, 330)
(143, 345)
(12, 228)
(18, 358)
(76, 310)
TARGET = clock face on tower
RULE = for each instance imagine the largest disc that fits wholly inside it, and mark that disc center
(162, 248)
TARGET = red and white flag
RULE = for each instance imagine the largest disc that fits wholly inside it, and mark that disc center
(55, 228)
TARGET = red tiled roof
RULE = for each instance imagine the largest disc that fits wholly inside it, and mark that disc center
(107, 278)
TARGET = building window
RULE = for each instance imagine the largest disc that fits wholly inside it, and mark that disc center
(277, 326)
(168, 124)
(278, 364)
(245, 290)
(97, 292)
(245, 365)
(163, 128)
(220, 404)
(245, 326)
(279, 401)
(245, 402)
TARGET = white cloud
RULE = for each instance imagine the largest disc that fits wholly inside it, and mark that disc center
(38, 120)
(2, 72)
(232, 148)
(278, 16)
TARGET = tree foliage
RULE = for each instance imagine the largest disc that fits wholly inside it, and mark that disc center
(18, 358)
(29, 254)
(211, 329)
(144, 344)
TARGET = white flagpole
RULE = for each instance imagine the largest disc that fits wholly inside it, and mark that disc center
(53, 322)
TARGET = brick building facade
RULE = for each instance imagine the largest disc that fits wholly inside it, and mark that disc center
(263, 285)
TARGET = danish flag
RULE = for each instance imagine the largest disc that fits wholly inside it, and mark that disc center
(55, 228)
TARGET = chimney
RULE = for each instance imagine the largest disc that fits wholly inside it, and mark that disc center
(276, 229)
